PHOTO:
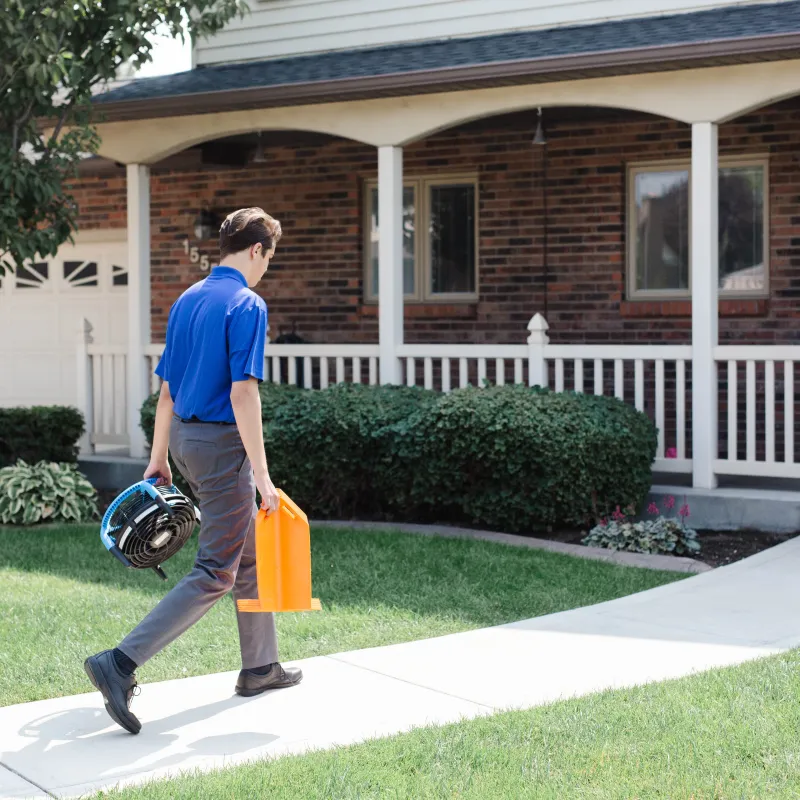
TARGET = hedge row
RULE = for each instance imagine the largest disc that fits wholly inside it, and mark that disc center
(509, 458)
(40, 433)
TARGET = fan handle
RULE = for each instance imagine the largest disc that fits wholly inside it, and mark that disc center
(149, 486)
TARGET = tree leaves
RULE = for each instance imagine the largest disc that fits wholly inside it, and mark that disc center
(54, 54)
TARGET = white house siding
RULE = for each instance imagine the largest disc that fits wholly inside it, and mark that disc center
(280, 28)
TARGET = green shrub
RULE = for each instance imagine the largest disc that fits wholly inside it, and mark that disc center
(45, 492)
(40, 433)
(337, 452)
(509, 458)
(517, 459)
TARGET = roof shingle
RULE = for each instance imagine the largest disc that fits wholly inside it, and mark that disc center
(716, 25)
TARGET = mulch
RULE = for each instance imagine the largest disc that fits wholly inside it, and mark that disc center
(724, 547)
(718, 547)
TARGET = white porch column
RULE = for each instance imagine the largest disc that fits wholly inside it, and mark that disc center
(390, 260)
(705, 309)
(138, 300)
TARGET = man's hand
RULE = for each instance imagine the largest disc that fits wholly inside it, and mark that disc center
(159, 469)
(270, 499)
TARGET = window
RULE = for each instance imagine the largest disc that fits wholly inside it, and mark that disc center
(442, 263)
(32, 276)
(119, 275)
(81, 274)
(659, 229)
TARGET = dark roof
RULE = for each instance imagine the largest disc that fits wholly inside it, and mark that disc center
(762, 30)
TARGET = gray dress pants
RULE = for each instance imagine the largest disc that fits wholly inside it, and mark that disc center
(212, 458)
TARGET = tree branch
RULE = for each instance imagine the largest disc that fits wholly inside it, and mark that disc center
(60, 124)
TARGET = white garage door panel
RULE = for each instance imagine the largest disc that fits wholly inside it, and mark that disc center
(107, 317)
(31, 326)
(40, 314)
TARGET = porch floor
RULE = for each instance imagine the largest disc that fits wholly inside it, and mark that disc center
(68, 746)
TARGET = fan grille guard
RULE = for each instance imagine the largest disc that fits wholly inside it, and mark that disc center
(146, 525)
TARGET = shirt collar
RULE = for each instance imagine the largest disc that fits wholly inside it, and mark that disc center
(229, 272)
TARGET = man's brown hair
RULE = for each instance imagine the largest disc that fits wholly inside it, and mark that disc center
(246, 227)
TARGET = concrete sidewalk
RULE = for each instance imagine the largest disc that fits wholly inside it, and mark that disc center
(69, 746)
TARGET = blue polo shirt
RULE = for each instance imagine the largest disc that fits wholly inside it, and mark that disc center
(215, 336)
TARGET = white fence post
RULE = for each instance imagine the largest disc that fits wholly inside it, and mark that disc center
(85, 391)
(537, 342)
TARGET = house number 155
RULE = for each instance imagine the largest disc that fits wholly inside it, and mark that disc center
(195, 256)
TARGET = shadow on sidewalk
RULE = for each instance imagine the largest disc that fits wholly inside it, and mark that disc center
(74, 737)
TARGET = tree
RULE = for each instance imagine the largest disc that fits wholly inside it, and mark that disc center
(54, 54)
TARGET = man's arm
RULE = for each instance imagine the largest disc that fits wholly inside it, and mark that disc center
(246, 403)
(159, 452)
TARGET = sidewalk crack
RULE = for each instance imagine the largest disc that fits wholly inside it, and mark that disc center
(28, 780)
(411, 683)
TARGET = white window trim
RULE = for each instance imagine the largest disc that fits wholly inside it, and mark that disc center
(422, 260)
(634, 294)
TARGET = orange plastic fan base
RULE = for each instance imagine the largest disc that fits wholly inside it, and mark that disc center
(283, 561)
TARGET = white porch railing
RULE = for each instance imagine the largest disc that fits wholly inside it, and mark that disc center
(313, 366)
(756, 387)
(102, 391)
(757, 410)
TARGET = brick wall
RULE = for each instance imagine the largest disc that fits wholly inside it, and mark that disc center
(317, 193)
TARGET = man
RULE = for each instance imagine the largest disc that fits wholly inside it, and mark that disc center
(209, 412)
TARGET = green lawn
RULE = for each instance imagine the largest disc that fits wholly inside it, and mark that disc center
(63, 598)
(727, 735)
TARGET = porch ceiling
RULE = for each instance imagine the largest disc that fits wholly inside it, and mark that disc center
(707, 38)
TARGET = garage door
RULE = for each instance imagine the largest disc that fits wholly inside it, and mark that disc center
(41, 308)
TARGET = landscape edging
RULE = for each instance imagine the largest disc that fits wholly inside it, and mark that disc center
(644, 561)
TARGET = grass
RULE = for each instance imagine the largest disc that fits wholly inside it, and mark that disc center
(64, 598)
(729, 735)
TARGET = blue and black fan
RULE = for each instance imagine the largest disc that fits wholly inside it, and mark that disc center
(147, 524)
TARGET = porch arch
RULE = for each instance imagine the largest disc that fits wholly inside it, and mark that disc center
(712, 94)
(149, 141)
(715, 94)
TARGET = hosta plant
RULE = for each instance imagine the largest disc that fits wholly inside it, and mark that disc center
(661, 534)
(45, 492)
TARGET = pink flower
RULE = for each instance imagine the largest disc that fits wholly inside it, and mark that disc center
(669, 503)
(618, 515)
(652, 509)
(684, 512)
(672, 453)
(604, 522)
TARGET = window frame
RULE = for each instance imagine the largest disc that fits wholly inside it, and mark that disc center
(423, 276)
(634, 294)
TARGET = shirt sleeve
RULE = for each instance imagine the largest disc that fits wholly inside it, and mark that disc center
(247, 336)
(163, 368)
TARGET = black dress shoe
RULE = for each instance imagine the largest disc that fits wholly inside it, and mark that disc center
(250, 683)
(117, 689)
